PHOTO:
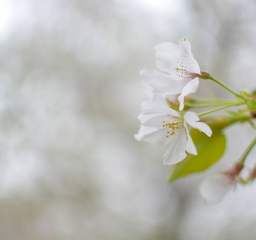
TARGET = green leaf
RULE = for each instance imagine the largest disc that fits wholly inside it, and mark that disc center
(210, 150)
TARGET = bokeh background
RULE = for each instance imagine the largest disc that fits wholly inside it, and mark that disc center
(70, 93)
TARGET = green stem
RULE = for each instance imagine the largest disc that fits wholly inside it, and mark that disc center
(220, 108)
(223, 85)
(221, 122)
(211, 103)
(201, 105)
(211, 100)
(247, 151)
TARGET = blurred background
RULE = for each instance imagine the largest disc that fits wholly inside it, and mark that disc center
(70, 93)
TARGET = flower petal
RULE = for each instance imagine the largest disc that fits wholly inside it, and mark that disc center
(158, 104)
(162, 82)
(154, 120)
(191, 117)
(190, 146)
(215, 187)
(176, 148)
(194, 121)
(190, 87)
(167, 55)
(150, 134)
(155, 104)
(188, 61)
(203, 127)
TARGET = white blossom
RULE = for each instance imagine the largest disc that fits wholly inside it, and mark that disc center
(176, 71)
(215, 187)
(159, 122)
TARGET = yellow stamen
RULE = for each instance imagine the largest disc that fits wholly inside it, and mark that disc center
(171, 127)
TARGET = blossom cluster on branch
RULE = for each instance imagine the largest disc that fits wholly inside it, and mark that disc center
(169, 115)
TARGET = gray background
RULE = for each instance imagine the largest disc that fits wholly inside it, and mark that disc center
(69, 96)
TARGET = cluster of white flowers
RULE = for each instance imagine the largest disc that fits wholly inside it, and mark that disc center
(175, 77)
(167, 118)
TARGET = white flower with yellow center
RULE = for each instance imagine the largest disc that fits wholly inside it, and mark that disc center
(161, 123)
(177, 71)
